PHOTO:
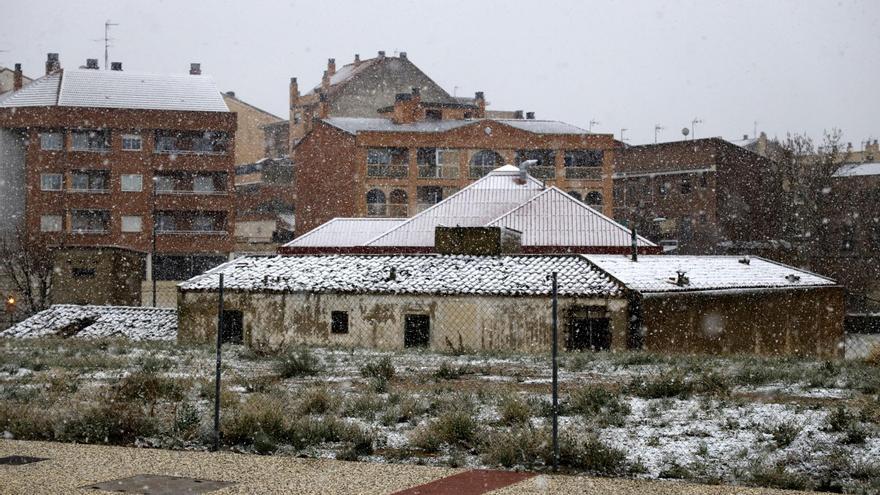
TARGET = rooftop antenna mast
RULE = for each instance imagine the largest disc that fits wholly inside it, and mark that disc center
(657, 129)
(622, 140)
(694, 127)
(592, 123)
(107, 40)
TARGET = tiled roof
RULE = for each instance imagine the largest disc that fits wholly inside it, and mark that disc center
(69, 320)
(555, 218)
(120, 89)
(657, 273)
(474, 206)
(414, 274)
(858, 169)
(355, 125)
(345, 232)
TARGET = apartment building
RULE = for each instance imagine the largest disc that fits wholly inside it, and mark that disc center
(250, 136)
(12, 79)
(126, 176)
(698, 196)
(421, 153)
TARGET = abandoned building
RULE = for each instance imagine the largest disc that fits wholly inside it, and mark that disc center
(549, 220)
(719, 304)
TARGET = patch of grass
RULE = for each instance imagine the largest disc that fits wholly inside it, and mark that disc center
(382, 369)
(364, 406)
(317, 400)
(447, 371)
(668, 384)
(452, 428)
(186, 421)
(111, 423)
(296, 363)
(516, 447)
(149, 388)
(514, 411)
(675, 471)
(784, 434)
(777, 476)
(26, 421)
(589, 454)
(712, 383)
(359, 442)
(260, 413)
(598, 404)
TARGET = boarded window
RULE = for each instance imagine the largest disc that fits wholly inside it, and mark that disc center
(231, 327)
(338, 322)
(417, 331)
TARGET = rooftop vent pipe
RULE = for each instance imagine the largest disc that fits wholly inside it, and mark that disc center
(680, 279)
(635, 243)
(524, 169)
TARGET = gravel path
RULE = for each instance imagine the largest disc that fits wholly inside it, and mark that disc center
(70, 467)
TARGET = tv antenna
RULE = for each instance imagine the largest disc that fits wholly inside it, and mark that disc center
(694, 127)
(107, 39)
(621, 134)
(657, 129)
(592, 123)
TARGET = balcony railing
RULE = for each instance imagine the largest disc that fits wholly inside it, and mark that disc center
(397, 210)
(95, 230)
(377, 210)
(87, 190)
(588, 173)
(388, 171)
(189, 192)
(191, 232)
(420, 207)
(542, 172)
(187, 152)
(438, 171)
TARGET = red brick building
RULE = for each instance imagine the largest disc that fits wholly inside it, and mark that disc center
(127, 175)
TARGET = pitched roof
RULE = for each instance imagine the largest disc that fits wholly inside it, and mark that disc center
(415, 274)
(858, 170)
(474, 206)
(657, 273)
(356, 125)
(345, 232)
(69, 320)
(120, 89)
(555, 218)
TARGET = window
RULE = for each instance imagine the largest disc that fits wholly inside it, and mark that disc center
(397, 203)
(584, 164)
(91, 140)
(545, 168)
(338, 322)
(387, 162)
(132, 182)
(89, 181)
(483, 162)
(80, 272)
(433, 115)
(416, 330)
(593, 198)
(89, 221)
(131, 224)
(231, 327)
(165, 183)
(131, 142)
(574, 194)
(51, 141)
(51, 182)
(191, 142)
(165, 223)
(437, 163)
(203, 223)
(685, 186)
(376, 206)
(182, 267)
(50, 223)
(203, 184)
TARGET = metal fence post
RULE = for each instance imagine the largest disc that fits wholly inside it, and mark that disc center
(217, 380)
(555, 346)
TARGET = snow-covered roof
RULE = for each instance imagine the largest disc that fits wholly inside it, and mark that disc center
(514, 275)
(858, 169)
(355, 125)
(70, 320)
(658, 273)
(120, 89)
(555, 218)
(345, 232)
(474, 206)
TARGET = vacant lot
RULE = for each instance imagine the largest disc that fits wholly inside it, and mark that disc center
(766, 422)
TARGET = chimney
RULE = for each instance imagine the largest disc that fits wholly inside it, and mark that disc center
(406, 107)
(230, 94)
(357, 58)
(403, 55)
(518, 114)
(323, 106)
(530, 115)
(17, 78)
(116, 66)
(195, 69)
(331, 66)
(92, 63)
(635, 243)
(745, 137)
(381, 54)
(325, 82)
(52, 63)
(294, 92)
(480, 101)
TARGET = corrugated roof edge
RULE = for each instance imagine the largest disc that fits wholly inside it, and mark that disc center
(336, 219)
(485, 177)
(579, 203)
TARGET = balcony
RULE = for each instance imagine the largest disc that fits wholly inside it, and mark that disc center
(89, 222)
(438, 171)
(388, 171)
(190, 223)
(191, 143)
(189, 184)
(583, 173)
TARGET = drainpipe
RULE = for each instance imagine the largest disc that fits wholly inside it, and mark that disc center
(635, 244)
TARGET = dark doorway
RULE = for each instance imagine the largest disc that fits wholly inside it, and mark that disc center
(231, 327)
(416, 331)
(588, 334)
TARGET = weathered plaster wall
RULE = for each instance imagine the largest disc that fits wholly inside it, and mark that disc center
(473, 322)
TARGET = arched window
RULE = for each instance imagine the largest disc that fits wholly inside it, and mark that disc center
(483, 162)
(576, 195)
(594, 198)
(397, 202)
(376, 206)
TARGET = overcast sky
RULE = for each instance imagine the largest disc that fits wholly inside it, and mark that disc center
(792, 66)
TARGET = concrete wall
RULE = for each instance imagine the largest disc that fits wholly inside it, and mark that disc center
(806, 322)
(98, 276)
(274, 321)
(12, 180)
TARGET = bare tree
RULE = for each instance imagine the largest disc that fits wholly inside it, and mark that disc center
(28, 266)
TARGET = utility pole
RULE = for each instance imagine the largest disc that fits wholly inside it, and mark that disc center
(657, 128)
(107, 25)
(694, 127)
(592, 123)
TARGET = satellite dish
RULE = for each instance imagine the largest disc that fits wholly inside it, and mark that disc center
(685, 131)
